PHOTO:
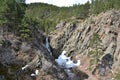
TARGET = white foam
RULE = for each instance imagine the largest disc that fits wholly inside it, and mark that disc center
(36, 72)
(33, 74)
(25, 67)
(62, 59)
(71, 64)
(66, 62)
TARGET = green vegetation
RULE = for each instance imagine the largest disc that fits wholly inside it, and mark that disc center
(4, 71)
(24, 29)
(18, 17)
(117, 76)
(49, 15)
(98, 6)
(11, 14)
(95, 44)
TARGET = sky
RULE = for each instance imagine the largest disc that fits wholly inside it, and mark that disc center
(59, 3)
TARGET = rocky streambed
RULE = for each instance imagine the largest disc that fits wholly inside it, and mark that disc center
(22, 60)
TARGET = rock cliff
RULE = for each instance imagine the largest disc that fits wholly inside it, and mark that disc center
(94, 41)
(75, 37)
(15, 54)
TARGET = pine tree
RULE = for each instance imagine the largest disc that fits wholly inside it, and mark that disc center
(96, 45)
(12, 13)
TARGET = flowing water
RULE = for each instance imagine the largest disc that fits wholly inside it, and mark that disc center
(70, 74)
(4, 71)
(47, 45)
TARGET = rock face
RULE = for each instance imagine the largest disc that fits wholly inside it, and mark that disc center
(15, 54)
(75, 36)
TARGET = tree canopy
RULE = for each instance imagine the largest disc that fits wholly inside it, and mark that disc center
(15, 14)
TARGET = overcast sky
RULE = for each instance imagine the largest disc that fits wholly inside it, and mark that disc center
(59, 2)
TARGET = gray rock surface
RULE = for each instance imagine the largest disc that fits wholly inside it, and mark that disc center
(72, 36)
(75, 37)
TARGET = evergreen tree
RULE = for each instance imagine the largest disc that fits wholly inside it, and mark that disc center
(12, 13)
(95, 43)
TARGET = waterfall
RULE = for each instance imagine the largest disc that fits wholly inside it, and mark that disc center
(63, 62)
(36, 73)
(47, 45)
(66, 63)
(26, 66)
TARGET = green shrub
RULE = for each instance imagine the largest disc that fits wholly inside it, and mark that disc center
(117, 77)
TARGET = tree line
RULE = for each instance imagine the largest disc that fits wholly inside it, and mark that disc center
(17, 17)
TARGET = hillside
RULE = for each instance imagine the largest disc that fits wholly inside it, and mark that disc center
(95, 42)
(44, 42)
(97, 37)
(49, 15)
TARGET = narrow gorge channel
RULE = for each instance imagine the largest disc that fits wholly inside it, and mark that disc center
(65, 63)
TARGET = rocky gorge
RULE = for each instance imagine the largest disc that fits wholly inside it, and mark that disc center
(97, 37)
(76, 38)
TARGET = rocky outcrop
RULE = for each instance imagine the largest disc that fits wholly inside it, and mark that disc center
(15, 54)
(75, 36)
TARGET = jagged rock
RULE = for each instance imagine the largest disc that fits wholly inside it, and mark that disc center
(117, 52)
(16, 44)
(76, 40)
(25, 47)
(46, 65)
(7, 57)
(106, 63)
(35, 55)
(111, 48)
(74, 37)
(60, 38)
(6, 43)
(62, 24)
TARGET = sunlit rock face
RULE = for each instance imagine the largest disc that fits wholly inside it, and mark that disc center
(28, 60)
(72, 36)
(75, 38)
